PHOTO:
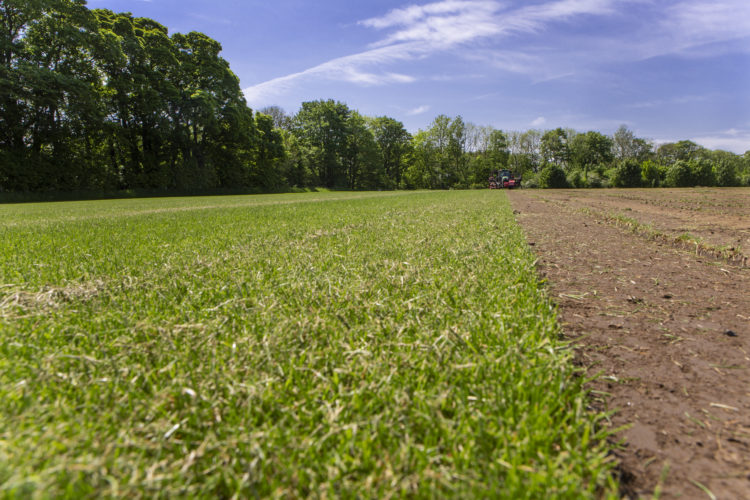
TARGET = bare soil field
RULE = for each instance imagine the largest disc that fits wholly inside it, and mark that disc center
(715, 220)
(662, 320)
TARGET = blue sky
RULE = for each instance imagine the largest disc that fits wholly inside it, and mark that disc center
(669, 70)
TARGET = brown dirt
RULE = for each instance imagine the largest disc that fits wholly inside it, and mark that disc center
(719, 217)
(666, 329)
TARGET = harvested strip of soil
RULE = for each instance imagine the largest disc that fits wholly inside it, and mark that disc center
(710, 220)
(669, 333)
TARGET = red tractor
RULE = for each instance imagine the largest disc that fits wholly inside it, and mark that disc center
(504, 179)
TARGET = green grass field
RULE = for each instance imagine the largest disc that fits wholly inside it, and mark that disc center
(320, 344)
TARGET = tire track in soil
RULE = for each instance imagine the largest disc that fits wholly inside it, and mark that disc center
(654, 321)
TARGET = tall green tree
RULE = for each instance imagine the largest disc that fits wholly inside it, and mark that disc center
(589, 150)
(490, 153)
(16, 16)
(362, 158)
(100, 100)
(457, 161)
(281, 119)
(220, 128)
(524, 148)
(554, 147)
(139, 71)
(49, 97)
(497, 149)
(269, 154)
(322, 127)
(625, 145)
(295, 164)
(423, 171)
(430, 164)
(444, 143)
(671, 152)
(395, 143)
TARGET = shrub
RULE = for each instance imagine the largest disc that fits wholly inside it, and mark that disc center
(652, 174)
(594, 180)
(726, 174)
(627, 174)
(703, 172)
(575, 179)
(552, 177)
(531, 182)
(679, 175)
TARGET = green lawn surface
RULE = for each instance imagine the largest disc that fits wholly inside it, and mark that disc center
(318, 344)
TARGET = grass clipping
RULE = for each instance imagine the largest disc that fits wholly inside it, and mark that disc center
(374, 347)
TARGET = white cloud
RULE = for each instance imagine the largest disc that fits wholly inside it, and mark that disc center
(418, 110)
(736, 141)
(538, 122)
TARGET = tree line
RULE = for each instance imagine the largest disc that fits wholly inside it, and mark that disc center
(95, 100)
(571, 159)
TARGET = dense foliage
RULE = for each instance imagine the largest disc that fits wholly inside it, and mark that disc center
(99, 101)
(552, 176)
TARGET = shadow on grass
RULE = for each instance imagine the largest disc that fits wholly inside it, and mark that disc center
(34, 197)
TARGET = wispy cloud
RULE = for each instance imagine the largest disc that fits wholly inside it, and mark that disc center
(419, 31)
(347, 69)
(692, 23)
(441, 25)
(484, 31)
(538, 122)
(689, 28)
(657, 103)
(516, 61)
